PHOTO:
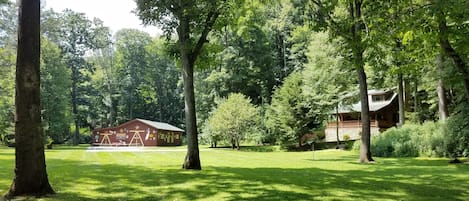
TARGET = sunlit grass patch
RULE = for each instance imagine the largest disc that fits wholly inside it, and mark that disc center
(77, 174)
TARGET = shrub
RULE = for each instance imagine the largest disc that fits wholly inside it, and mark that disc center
(411, 140)
(431, 139)
(457, 141)
(395, 142)
(346, 137)
(235, 119)
(356, 145)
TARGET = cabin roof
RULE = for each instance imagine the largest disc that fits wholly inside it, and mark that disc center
(374, 106)
(154, 124)
(160, 125)
(377, 92)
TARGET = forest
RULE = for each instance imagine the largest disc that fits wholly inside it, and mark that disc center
(235, 72)
(292, 64)
(263, 71)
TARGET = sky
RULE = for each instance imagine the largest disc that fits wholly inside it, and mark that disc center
(115, 14)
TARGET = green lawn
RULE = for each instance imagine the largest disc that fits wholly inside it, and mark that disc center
(243, 175)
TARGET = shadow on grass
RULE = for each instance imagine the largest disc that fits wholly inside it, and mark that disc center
(389, 181)
(8, 154)
(259, 148)
(346, 158)
(68, 147)
(249, 148)
(391, 162)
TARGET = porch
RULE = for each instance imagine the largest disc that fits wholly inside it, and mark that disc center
(350, 128)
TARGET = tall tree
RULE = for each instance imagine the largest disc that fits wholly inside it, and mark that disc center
(78, 35)
(442, 101)
(106, 81)
(30, 164)
(444, 10)
(326, 79)
(347, 20)
(55, 92)
(292, 112)
(193, 21)
(162, 82)
(8, 37)
(132, 65)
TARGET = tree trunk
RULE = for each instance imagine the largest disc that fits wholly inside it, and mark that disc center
(74, 106)
(358, 49)
(446, 47)
(233, 145)
(416, 96)
(442, 101)
(192, 160)
(112, 112)
(401, 100)
(365, 148)
(337, 125)
(30, 165)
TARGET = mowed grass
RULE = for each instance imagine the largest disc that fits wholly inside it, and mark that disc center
(156, 174)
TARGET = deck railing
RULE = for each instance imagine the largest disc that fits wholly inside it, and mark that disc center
(351, 124)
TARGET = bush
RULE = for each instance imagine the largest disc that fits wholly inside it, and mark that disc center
(235, 119)
(431, 139)
(457, 141)
(395, 142)
(411, 140)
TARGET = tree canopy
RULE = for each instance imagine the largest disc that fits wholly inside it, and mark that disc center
(296, 61)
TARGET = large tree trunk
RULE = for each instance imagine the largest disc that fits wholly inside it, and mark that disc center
(401, 100)
(358, 49)
(446, 47)
(365, 148)
(192, 160)
(30, 165)
(442, 101)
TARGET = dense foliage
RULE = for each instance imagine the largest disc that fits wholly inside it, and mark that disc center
(457, 136)
(267, 71)
(295, 60)
(234, 120)
(411, 140)
(291, 114)
(55, 93)
(7, 71)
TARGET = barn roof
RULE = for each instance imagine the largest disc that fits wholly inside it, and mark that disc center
(160, 125)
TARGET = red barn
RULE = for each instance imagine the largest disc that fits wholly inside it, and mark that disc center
(139, 132)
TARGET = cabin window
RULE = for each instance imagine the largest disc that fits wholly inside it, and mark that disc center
(377, 98)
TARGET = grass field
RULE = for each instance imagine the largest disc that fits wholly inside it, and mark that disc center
(156, 174)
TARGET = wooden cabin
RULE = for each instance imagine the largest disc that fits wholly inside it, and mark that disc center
(138, 132)
(384, 108)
